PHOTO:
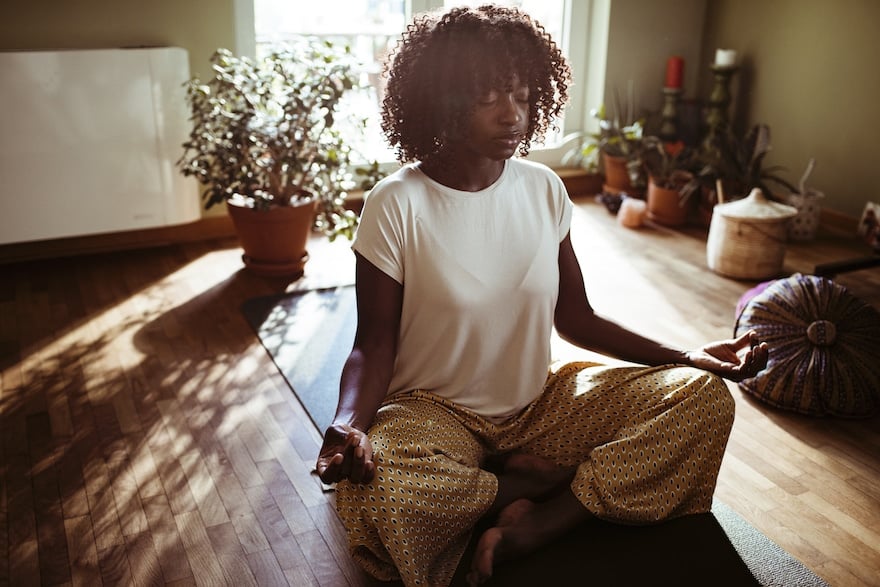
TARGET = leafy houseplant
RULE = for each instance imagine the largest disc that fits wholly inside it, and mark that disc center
(263, 140)
(671, 180)
(584, 154)
(668, 164)
(739, 165)
(731, 166)
(620, 142)
(618, 138)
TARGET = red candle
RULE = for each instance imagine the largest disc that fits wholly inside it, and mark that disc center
(674, 72)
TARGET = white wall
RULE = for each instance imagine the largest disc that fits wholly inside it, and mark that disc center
(90, 141)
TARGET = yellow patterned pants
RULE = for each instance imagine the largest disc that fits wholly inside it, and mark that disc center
(647, 444)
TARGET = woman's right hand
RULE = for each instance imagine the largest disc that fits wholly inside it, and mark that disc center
(345, 454)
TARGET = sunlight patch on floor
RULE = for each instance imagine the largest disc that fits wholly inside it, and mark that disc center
(619, 292)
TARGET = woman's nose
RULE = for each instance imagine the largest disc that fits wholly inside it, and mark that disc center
(511, 110)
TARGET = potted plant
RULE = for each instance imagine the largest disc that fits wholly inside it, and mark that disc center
(732, 167)
(263, 141)
(671, 181)
(620, 142)
(584, 155)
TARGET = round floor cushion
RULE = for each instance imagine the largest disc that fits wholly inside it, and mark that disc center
(824, 347)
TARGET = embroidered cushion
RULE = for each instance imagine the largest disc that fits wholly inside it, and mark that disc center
(824, 347)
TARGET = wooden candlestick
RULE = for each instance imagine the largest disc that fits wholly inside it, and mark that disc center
(669, 114)
(717, 120)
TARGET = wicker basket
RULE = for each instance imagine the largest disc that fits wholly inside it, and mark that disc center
(747, 237)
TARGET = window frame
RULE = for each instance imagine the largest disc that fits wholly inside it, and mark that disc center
(584, 52)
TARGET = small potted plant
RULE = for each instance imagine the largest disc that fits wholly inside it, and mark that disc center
(620, 142)
(584, 155)
(671, 181)
(263, 141)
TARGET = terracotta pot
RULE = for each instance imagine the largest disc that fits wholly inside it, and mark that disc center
(616, 175)
(665, 205)
(274, 240)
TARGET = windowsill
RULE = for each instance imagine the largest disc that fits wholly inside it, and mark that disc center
(578, 182)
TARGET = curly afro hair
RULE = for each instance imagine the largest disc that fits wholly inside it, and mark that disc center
(444, 62)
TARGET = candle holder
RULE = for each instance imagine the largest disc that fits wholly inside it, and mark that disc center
(669, 114)
(717, 119)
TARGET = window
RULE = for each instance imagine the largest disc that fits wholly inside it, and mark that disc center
(371, 27)
(368, 27)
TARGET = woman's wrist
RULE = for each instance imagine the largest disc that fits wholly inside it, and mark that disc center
(349, 420)
(685, 358)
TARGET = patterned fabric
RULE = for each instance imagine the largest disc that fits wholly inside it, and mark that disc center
(824, 347)
(647, 444)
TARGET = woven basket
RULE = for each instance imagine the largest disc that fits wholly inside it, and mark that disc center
(824, 347)
(747, 237)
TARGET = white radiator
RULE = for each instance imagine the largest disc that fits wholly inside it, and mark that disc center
(89, 140)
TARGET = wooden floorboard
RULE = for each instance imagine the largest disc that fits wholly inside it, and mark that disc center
(147, 438)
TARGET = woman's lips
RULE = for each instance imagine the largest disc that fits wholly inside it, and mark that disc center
(509, 140)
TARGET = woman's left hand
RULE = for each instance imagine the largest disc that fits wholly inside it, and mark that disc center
(735, 359)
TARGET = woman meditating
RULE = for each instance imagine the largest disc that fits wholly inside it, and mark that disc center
(449, 411)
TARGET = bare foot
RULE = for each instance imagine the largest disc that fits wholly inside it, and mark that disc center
(522, 527)
(541, 471)
(509, 537)
(529, 477)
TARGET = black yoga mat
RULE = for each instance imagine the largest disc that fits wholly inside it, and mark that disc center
(309, 335)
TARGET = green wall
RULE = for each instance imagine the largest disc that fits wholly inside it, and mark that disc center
(199, 26)
(809, 71)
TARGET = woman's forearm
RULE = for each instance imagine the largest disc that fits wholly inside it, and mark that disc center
(364, 384)
(577, 322)
(609, 338)
(367, 372)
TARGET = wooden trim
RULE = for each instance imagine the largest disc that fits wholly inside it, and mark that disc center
(207, 228)
(838, 223)
(578, 182)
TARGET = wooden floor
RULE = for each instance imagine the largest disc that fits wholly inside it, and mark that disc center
(148, 439)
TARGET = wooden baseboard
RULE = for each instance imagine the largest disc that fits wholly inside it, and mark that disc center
(578, 182)
(207, 228)
(838, 223)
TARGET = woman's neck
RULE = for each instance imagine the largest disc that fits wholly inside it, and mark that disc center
(462, 174)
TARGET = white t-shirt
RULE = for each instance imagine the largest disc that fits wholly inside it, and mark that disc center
(481, 279)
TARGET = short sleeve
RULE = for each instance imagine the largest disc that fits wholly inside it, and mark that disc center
(565, 217)
(380, 234)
